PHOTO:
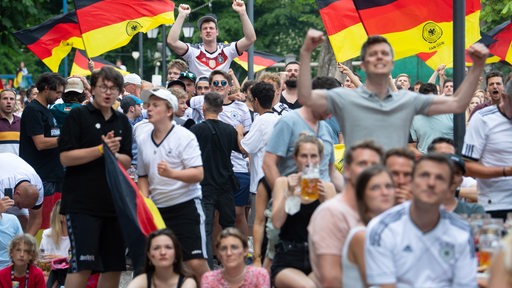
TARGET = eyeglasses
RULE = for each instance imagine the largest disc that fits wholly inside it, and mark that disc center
(222, 83)
(104, 88)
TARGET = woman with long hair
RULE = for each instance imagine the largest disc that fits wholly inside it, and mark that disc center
(55, 244)
(164, 263)
(291, 266)
(232, 250)
(374, 194)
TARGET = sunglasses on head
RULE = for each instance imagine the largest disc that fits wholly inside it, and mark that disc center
(222, 83)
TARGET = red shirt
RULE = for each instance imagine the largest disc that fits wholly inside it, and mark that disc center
(35, 279)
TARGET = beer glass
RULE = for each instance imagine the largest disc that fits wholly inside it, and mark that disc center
(309, 182)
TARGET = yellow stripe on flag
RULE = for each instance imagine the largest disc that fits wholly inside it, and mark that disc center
(347, 43)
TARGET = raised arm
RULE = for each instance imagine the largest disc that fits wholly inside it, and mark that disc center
(439, 69)
(460, 100)
(317, 99)
(173, 39)
(249, 34)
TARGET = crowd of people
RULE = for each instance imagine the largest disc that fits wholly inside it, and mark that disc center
(229, 166)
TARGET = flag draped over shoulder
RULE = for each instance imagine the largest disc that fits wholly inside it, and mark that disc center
(413, 27)
(110, 24)
(81, 62)
(262, 60)
(503, 45)
(137, 215)
(52, 40)
(343, 26)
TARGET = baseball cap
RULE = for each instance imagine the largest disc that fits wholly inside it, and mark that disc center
(458, 161)
(187, 75)
(160, 93)
(74, 84)
(129, 101)
(133, 79)
(208, 17)
(177, 82)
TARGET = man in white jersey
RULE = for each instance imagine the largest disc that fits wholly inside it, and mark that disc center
(205, 57)
(418, 243)
(488, 143)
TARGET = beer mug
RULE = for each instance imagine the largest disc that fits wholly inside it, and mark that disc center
(309, 182)
(487, 245)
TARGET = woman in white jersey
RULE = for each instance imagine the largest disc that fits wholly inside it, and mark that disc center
(375, 194)
(170, 169)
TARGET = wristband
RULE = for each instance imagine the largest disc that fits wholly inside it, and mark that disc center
(100, 148)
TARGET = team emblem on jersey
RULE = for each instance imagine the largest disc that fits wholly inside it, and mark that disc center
(212, 63)
(220, 59)
(446, 251)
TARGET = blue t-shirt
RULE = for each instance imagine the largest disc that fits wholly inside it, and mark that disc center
(9, 228)
(285, 134)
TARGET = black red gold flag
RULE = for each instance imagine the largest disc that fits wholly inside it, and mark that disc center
(110, 24)
(262, 60)
(343, 26)
(137, 215)
(80, 64)
(52, 40)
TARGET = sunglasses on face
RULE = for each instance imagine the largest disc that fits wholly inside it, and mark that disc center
(222, 83)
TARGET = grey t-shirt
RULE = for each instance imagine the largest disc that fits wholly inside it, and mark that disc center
(364, 116)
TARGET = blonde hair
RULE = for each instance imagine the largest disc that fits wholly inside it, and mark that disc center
(29, 241)
(56, 224)
(179, 93)
(272, 77)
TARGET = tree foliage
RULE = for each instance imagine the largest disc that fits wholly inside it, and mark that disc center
(494, 12)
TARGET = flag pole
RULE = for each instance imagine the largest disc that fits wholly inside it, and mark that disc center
(64, 11)
(459, 120)
(250, 52)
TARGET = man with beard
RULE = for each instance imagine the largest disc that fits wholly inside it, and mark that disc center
(495, 90)
(38, 141)
(9, 123)
(289, 94)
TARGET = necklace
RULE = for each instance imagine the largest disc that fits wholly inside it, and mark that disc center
(234, 280)
(27, 272)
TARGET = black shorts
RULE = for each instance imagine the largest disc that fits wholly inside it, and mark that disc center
(186, 220)
(96, 244)
(242, 195)
(291, 255)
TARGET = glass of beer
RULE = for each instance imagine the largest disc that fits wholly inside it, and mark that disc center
(488, 244)
(309, 182)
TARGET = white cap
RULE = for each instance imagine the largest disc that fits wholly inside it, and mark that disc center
(133, 79)
(160, 93)
(74, 84)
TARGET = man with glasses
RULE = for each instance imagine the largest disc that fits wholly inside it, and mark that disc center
(38, 143)
(87, 202)
(9, 123)
(209, 55)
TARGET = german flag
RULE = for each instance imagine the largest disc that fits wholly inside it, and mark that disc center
(81, 62)
(343, 26)
(138, 215)
(52, 40)
(262, 60)
(413, 27)
(503, 45)
(110, 24)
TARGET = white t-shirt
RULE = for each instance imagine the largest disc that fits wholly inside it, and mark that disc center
(13, 171)
(50, 247)
(201, 62)
(396, 251)
(351, 275)
(488, 140)
(255, 142)
(181, 151)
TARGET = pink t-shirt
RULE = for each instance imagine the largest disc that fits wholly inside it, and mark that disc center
(255, 277)
(328, 229)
